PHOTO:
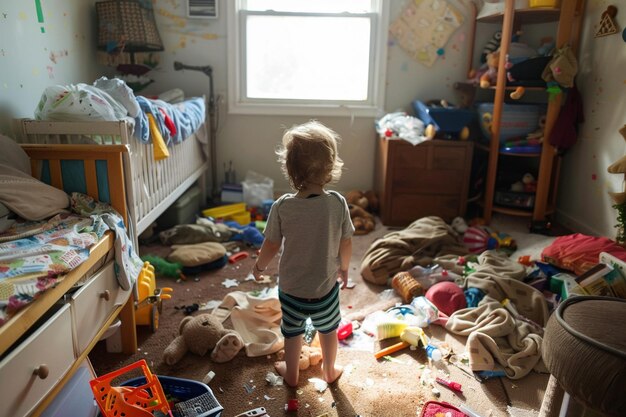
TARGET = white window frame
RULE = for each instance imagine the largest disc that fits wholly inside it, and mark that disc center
(372, 107)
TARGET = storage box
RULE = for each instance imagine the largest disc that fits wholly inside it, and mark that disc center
(517, 121)
(183, 210)
(236, 212)
(448, 121)
(182, 390)
(514, 199)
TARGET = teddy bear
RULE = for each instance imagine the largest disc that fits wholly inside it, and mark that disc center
(309, 356)
(366, 200)
(200, 334)
(362, 220)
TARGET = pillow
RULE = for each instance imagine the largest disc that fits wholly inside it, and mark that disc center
(28, 197)
(197, 254)
(13, 155)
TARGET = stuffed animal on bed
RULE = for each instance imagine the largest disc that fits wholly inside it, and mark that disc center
(201, 334)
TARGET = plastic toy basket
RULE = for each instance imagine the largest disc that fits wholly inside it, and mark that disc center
(449, 121)
(187, 397)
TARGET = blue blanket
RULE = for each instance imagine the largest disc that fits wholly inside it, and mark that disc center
(186, 116)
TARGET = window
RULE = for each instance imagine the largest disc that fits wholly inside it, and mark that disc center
(307, 57)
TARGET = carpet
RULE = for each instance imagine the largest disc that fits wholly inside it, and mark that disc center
(368, 387)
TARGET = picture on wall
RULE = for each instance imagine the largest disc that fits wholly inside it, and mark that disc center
(202, 9)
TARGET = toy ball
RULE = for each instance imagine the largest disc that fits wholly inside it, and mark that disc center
(476, 239)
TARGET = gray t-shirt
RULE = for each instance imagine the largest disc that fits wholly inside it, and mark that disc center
(311, 230)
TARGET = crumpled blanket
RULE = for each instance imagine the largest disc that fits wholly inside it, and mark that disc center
(417, 244)
(256, 317)
(176, 122)
(509, 337)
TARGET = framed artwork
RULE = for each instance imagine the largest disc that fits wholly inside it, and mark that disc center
(206, 9)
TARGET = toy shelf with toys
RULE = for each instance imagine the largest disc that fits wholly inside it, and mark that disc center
(511, 103)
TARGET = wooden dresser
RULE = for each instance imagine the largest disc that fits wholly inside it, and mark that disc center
(429, 179)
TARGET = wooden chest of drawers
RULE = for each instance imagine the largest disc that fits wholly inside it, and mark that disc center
(429, 179)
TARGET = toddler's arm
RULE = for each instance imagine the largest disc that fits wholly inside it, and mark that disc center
(268, 250)
(345, 252)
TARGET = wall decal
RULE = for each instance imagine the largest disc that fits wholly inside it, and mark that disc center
(39, 15)
(607, 24)
(424, 28)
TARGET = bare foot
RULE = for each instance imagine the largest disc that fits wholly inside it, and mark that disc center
(281, 368)
(333, 374)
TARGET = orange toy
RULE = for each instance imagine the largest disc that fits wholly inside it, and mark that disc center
(138, 401)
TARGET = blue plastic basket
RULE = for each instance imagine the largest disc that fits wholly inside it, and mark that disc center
(183, 390)
(517, 121)
(447, 120)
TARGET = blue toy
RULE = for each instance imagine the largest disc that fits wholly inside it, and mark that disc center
(249, 234)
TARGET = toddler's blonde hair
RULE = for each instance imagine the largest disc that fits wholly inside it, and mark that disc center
(309, 155)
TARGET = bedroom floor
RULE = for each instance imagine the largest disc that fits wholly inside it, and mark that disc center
(369, 387)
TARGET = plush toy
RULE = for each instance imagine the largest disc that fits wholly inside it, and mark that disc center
(530, 184)
(248, 234)
(201, 334)
(488, 78)
(362, 220)
(165, 268)
(366, 200)
(309, 356)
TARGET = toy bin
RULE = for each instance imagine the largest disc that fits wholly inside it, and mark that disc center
(449, 122)
(183, 210)
(518, 120)
(187, 397)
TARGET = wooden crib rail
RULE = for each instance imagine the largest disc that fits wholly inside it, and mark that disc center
(89, 154)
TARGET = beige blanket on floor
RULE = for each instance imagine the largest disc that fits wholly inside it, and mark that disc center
(494, 333)
(418, 244)
(256, 317)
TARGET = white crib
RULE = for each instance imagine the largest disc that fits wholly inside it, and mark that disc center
(151, 186)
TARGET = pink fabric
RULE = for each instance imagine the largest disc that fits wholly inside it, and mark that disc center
(578, 252)
(436, 408)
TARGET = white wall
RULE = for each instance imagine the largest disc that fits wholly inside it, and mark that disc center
(583, 199)
(31, 60)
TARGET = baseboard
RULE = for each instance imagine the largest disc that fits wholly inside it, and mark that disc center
(572, 223)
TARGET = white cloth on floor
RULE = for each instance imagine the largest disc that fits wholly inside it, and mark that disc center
(256, 317)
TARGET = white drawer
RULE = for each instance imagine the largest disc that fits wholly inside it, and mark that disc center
(93, 303)
(50, 345)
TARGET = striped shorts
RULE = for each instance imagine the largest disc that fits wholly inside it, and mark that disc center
(324, 313)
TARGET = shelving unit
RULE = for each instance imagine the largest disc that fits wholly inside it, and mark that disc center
(569, 21)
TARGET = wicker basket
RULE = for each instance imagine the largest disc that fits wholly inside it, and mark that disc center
(406, 286)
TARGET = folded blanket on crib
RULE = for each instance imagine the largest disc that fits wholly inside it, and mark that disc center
(175, 121)
(114, 100)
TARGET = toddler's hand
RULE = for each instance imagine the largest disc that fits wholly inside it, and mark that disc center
(256, 273)
(343, 275)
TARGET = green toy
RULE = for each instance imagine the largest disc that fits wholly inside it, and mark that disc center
(165, 268)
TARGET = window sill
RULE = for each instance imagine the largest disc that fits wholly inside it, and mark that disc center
(311, 110)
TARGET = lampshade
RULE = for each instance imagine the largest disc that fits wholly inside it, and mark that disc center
(127, 26)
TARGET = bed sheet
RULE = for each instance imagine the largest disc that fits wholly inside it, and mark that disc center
(35, 256)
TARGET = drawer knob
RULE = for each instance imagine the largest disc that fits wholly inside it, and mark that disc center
(106, 295)
(42, 371)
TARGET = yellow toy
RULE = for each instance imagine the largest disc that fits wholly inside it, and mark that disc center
(150, 298)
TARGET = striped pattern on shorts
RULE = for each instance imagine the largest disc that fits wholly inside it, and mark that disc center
(324, 313)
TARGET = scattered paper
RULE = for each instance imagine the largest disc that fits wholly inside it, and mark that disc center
(230, 283)
(210, 305)
(319, 384)
(274, 379)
